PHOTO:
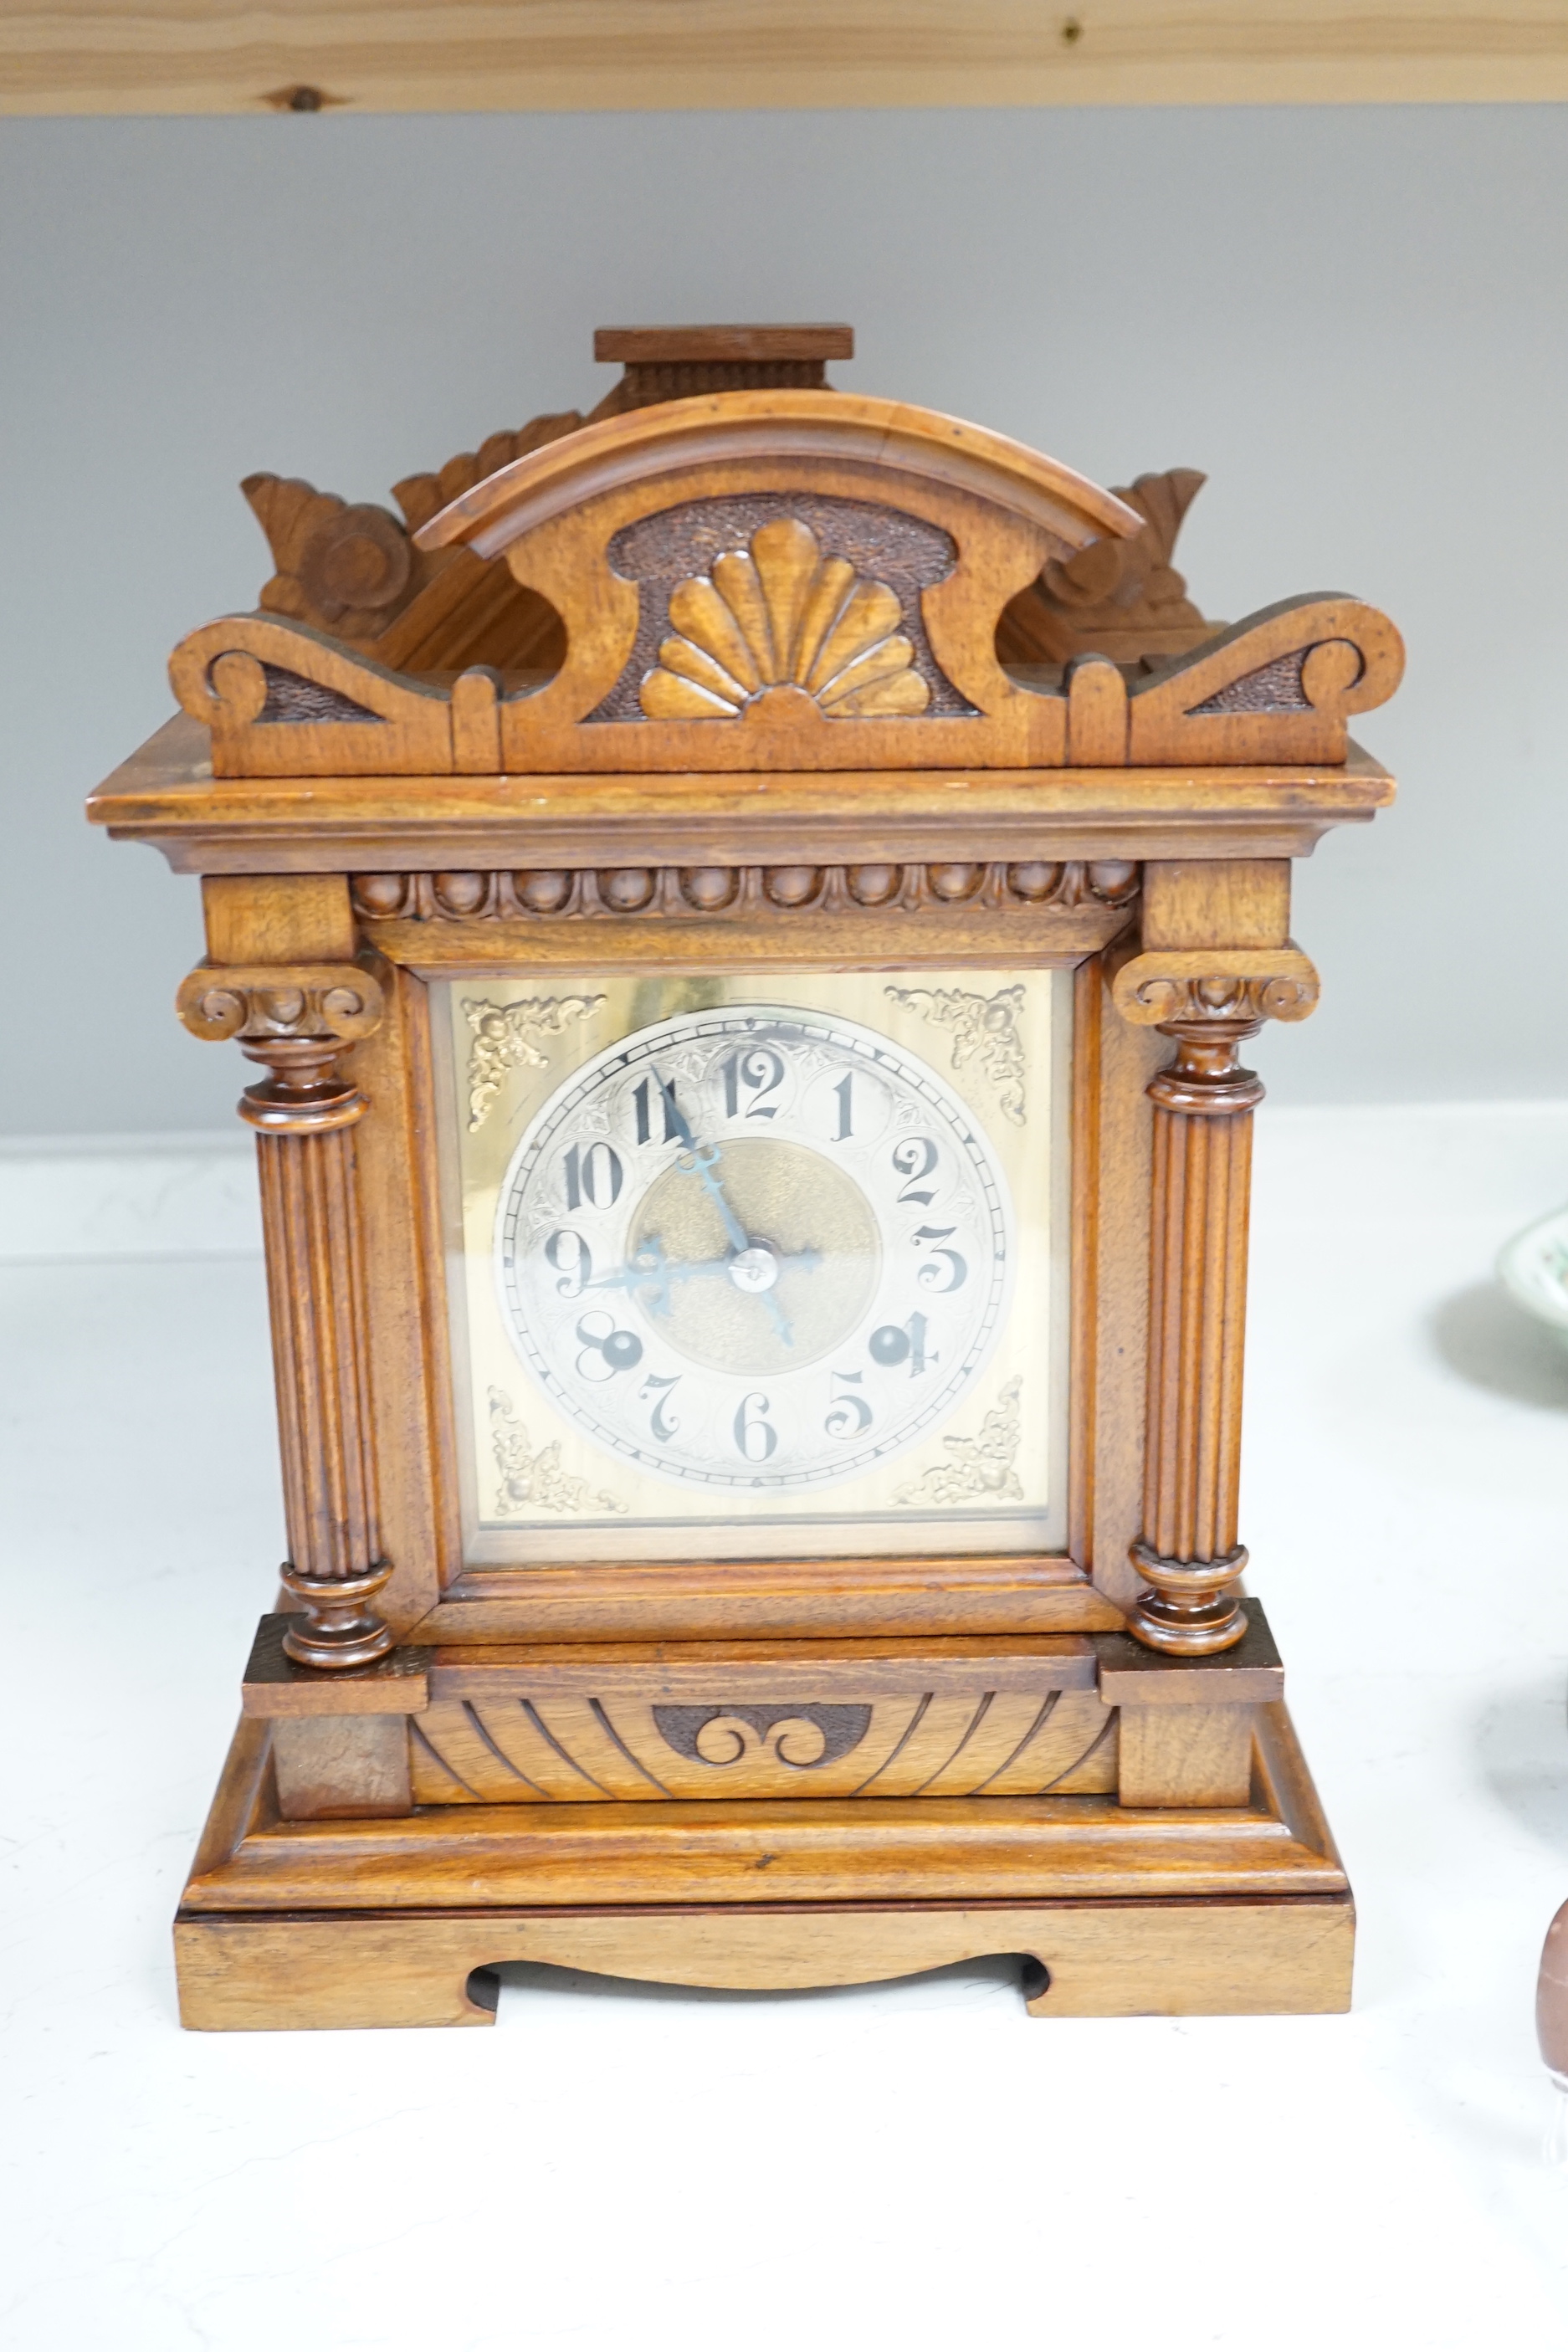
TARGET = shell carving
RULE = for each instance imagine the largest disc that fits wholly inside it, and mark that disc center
(783, 615)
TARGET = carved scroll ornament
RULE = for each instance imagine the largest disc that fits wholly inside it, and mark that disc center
(780, 633)
(1123, 597)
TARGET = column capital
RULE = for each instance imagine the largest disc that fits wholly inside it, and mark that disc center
(1172, 987)
(265, 1003)
(294, 1019)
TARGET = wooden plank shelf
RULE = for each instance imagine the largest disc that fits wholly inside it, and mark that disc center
(212, 57)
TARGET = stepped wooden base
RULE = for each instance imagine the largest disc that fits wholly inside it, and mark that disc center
(1222, 1957)
(1117, 1910)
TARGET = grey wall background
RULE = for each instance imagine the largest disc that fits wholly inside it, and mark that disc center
(1355, 319)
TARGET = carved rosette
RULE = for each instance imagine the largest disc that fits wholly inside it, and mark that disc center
(295, 1022)
(1209, 1001)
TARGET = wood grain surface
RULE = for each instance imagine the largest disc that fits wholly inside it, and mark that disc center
(531, 1744)
(1228, 1958)
(331, 822)
(188, 57)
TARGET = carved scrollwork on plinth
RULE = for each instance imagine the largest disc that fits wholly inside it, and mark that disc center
(535, 1746)
(797, 1736)
(1210, 1000)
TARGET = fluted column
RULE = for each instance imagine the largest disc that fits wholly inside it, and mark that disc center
(295, 1022)
(1210, 1001)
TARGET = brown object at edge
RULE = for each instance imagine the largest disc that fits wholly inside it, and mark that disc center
(1551, 1995)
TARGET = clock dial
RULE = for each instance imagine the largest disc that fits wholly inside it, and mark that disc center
(754, 1247)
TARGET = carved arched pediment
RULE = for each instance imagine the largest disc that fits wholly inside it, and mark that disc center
(790, 582)
(906, 532)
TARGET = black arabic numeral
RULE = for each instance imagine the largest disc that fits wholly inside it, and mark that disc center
(575, 1270)
(595, 1176)
(761, 1071)
(898, 1343)
(755, 1437)
(915, 1158)
(660, 1421)
(851, 1414)
(617, 1352)
(675, 1127)
(930, 1275)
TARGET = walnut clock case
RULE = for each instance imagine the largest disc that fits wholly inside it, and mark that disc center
(748, 911)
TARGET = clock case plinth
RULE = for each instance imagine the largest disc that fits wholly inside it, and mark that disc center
(506, 766)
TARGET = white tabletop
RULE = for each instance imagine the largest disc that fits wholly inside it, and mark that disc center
(916, 2165)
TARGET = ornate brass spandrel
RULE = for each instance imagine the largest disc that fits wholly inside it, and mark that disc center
(532, 1478)
(984, 1030)
(979, 1465)
(503, 1039)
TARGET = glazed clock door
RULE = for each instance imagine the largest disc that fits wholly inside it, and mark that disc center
(779, 1261)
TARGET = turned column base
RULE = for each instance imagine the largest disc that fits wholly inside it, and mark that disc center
(1189, 1610)
(338, 1629)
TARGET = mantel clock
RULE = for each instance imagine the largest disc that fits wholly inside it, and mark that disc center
(748, 907)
